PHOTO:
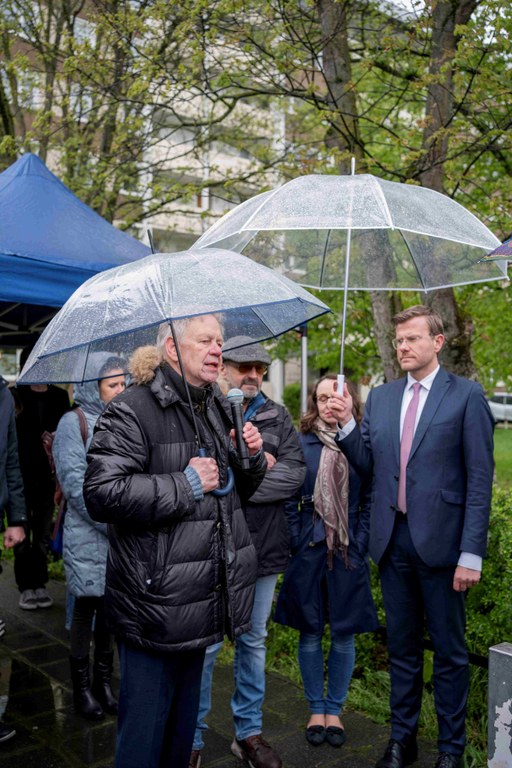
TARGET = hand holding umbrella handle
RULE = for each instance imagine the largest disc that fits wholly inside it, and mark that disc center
(230, 482)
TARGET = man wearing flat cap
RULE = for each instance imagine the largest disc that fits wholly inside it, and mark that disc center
(244, 368)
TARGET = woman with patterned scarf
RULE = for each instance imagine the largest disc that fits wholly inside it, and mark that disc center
(328, 579)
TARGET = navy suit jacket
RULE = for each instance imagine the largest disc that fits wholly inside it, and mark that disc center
(449, 473)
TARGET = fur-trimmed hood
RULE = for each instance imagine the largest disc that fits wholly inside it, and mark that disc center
(143, 364)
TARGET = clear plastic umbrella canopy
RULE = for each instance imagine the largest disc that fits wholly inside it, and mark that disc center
(362, 233)
(120, 309)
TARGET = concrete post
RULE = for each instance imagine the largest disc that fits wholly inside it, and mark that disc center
(499, 750)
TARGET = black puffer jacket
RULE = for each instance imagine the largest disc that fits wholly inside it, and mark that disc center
(180, 572)
(12, 499)
(264, 511)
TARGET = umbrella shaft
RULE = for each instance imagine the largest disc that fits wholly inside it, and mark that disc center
(187, 390)
(345, 300)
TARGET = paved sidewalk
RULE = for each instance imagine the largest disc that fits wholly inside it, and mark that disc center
(34, 675)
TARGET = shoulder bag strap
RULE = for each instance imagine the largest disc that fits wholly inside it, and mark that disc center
(84, 430)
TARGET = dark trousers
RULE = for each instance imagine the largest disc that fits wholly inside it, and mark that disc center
(158, 705)
(89, 611)
(30, 557)
(413, 593)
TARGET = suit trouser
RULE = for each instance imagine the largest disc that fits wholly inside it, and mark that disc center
(414, 592)
(158, 703)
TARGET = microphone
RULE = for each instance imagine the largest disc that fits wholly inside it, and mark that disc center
(236, 398)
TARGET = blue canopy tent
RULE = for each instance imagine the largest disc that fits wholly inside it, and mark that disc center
(50, 243)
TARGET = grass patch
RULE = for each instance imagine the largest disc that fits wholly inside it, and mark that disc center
(503, 456)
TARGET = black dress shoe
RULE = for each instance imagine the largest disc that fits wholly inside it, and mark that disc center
(315, 735)
(447, 760)
(397, 755)
(6, 732)
(335, 736)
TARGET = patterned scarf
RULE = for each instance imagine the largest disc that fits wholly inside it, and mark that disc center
(331, 493)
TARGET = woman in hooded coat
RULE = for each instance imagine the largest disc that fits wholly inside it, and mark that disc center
(85, 543)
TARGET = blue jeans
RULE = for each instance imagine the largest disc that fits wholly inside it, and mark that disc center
(340, 666)
(249, 670)
(158, 700)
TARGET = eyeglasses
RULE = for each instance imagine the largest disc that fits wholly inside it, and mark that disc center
(410, 341)
(323, 399)
(260, 368)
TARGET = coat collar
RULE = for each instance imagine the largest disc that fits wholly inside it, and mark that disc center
(168, 388)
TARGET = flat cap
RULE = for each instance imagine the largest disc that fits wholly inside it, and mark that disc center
(250, 353)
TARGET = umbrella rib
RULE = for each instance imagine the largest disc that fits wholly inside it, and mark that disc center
(414, 262)
(324, 256)
(264, 322)
(84, 368)
(385, 204)
(258, 209)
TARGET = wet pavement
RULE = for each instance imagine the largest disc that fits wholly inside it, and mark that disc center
(35, 691)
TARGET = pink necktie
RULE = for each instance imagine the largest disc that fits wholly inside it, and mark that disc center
(406, 443)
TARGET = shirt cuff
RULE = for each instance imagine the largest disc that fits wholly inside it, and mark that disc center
(195, 482)
(346, 430)
(468, 560)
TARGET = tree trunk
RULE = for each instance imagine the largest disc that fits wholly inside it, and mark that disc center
(456, 354)
(439, 110)
(343, 131)
(384, 306)
(8, 156)
(343, 135)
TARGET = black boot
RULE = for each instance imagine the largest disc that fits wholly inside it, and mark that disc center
(102, 675)
(85, 703)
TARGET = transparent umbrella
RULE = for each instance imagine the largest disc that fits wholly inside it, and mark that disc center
(120, 309)
(359, 232)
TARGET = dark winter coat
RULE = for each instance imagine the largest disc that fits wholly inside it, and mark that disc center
(180, 572)
(37, 412)
(12, 499)
(311, 595)
(265, 509)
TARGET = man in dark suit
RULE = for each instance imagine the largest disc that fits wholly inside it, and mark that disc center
(427, 441)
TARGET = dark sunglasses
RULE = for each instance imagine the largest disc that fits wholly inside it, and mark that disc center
(260, 368)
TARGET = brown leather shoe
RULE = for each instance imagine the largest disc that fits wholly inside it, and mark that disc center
(256, 752)
(195, 759)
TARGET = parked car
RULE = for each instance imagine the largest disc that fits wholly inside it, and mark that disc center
(501, 406)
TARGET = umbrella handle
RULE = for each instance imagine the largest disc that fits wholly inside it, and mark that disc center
(228, 487)
(231, 478)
